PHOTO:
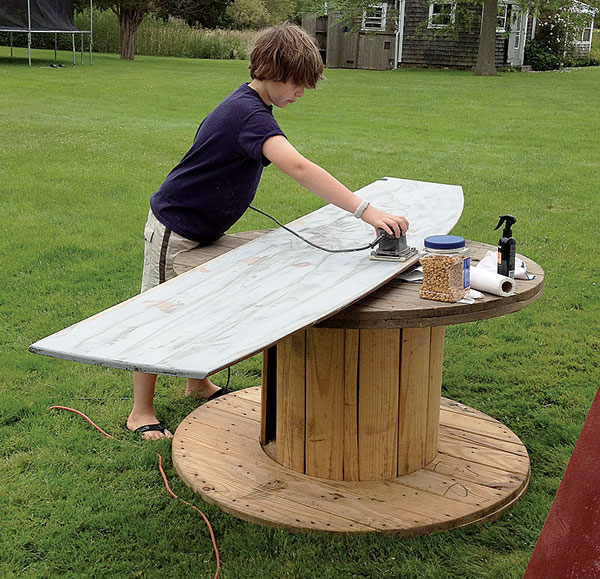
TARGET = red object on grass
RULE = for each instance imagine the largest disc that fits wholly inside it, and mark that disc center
(164, 477)
(569, 544)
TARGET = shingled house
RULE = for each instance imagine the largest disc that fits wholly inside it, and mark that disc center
(418, 33)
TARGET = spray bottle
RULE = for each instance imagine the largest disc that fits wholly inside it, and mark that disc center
(506, 247)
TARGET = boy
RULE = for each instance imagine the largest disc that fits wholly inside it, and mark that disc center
(215, 182)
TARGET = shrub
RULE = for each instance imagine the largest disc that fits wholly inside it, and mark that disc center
(583, 61)
(539, 56)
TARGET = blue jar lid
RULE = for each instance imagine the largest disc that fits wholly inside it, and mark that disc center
(444, 241)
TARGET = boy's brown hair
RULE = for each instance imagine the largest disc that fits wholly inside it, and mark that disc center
(286, 52)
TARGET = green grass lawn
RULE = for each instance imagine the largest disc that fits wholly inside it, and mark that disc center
(81, 151)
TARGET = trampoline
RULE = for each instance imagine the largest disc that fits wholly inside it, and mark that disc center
(43, 17)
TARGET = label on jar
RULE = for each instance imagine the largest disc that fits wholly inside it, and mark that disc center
(467, 273)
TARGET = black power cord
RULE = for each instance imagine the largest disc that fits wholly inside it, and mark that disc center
(370, 246)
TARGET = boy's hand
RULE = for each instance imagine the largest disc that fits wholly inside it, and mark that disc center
(396, 225)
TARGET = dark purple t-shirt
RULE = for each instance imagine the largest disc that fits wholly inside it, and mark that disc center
(215, 182)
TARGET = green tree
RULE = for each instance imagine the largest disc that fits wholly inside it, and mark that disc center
(130, 14)
(247, 14)
(280, 10)
(259, 13)
(205, 13)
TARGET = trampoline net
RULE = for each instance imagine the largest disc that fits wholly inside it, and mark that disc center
(46, 15)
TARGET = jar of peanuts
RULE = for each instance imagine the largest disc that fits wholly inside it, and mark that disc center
(446, 268)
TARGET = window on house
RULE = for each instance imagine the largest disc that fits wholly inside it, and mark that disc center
(583, 36)
(502, 18)
(586, 33)
(374, 17)
(441, 14)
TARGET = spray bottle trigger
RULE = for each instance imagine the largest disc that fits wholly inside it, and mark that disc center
(510, 221)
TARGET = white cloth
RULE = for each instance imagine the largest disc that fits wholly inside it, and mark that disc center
(414, 275)
(490, 263)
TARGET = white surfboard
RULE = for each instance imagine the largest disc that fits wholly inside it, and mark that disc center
(251, 297)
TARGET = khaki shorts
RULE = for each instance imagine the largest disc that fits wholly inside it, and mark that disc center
(161, 246)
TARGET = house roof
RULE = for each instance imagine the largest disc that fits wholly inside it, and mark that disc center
(583, 8)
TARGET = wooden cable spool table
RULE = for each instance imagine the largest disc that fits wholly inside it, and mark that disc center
(349, 432)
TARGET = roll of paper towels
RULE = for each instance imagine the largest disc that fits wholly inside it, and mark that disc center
(493, 283)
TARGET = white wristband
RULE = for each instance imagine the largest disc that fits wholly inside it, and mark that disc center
(361, 209)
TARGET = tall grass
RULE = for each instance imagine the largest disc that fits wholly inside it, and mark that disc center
(155, 37)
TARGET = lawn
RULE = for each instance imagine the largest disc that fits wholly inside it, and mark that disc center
(81, 151)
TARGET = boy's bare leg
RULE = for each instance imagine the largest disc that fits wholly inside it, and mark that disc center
(200, 388)
(142, 412)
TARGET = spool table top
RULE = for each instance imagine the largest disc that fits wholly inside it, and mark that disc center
(397, 304)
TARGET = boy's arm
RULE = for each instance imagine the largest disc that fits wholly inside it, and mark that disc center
(284, 156)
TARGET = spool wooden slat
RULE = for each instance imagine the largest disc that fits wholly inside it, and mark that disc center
(447, 405)
(483, 454)
(491, 429)
(414, 396)
(190, 259)
(291, 400)
(351, 469)
(436, 366)
(378, 379)
(263, 402)
(513, 447)
(325, 403)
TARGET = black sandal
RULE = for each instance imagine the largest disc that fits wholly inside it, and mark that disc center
(218, 393)
(158, 427)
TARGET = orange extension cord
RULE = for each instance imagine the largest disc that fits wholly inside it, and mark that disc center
(164, 476)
